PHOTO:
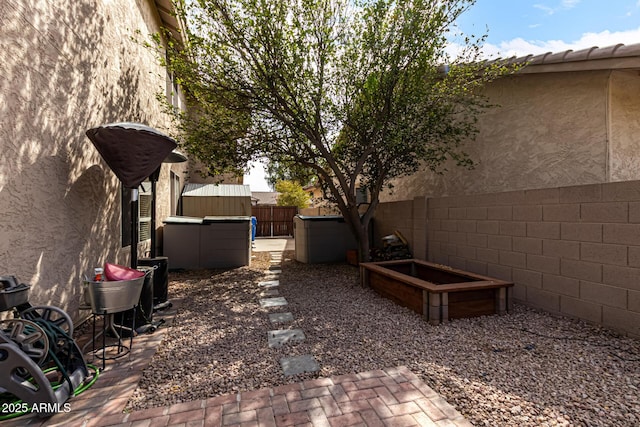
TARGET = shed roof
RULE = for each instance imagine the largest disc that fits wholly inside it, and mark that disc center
(617, 57)
(216, 190)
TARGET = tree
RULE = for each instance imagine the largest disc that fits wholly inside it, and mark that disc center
(356, 91)
(292, 194)
(289, 172)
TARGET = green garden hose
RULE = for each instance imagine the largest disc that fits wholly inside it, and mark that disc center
(55, 386)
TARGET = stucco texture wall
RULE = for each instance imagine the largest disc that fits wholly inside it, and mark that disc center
(67, 67)
(624, 154)
(547, 130)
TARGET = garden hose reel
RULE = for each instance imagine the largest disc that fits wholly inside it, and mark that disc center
(40, 363)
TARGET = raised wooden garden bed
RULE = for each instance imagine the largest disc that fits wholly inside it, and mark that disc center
(437, 292)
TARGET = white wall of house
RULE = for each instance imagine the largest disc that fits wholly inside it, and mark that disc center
(68, 66)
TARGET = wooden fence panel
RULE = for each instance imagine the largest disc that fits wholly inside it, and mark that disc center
(274, 220)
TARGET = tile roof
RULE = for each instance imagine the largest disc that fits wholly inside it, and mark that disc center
(617, 57)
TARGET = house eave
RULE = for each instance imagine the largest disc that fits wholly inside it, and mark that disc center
(169, 19)
(616, 57)
(603, 64)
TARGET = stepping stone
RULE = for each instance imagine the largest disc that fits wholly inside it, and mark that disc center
(273, 302)
(280, 317)
(299, 364)
(269, 293)
(275, 269)
(269, 283)
(280, 337)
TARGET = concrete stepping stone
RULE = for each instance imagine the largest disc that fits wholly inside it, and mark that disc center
(269, 283)
(280, 337)
(275, 269)
(280, 317)
(273, 302)
(299, 364)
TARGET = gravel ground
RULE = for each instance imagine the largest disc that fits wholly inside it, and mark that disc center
(523, 369)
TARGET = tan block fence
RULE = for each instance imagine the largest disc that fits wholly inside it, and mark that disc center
(573, 251)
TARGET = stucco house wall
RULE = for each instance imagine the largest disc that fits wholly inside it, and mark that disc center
(624, 148)
(67, 67)
(550, 127)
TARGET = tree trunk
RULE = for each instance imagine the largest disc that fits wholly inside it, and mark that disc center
(360, 231)
(363, 244)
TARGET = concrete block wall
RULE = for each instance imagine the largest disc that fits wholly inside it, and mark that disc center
(409, 218)
(574, 250)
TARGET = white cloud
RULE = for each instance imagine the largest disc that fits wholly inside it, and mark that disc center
(569, 4)
(521, 47)
(564, 5)
(546, 9)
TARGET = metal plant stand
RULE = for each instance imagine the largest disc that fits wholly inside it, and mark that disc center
(109, 325)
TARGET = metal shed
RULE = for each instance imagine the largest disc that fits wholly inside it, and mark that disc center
(200, 200)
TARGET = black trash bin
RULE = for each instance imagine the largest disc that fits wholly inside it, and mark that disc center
(160, 277)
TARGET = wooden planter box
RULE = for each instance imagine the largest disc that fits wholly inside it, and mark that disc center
(437, 292)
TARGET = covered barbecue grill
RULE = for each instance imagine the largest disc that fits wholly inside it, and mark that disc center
(135, 152)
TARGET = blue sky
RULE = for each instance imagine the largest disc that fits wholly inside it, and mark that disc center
(522, 27)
